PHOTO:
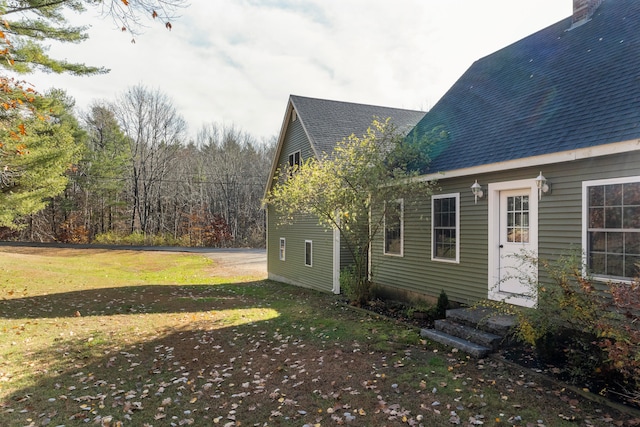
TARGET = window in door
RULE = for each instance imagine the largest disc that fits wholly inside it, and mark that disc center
(518, 219)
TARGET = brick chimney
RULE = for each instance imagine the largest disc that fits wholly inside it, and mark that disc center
(583, 10)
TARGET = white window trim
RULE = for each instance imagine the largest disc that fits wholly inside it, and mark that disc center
(585, 222)
(384, 230)
(433, 199)
(292, 155)
(310, 242)
(282, 249)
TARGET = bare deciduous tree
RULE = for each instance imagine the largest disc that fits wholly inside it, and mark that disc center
(138, 174)
(155, 131)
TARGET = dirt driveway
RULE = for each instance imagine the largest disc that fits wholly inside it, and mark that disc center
(237, 262)
(233, 261)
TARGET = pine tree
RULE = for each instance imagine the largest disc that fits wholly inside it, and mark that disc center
(26, 24)
(39, 137)
(34, 162)
(103, 167)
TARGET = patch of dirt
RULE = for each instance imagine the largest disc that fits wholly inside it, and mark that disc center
(401, 312)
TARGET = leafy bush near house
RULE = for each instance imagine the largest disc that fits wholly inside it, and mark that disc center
(442, 305)
(591, 330)
(620, 332)
(356, 289)
(567, 300)
(429, 310)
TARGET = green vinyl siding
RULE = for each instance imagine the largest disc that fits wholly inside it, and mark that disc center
(416, 272)
(295, 140)
(559, 227)
(346, 257)
(560, 221)
(293, 269)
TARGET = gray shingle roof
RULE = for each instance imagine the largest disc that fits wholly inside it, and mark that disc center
(555, 90)
(328, 122)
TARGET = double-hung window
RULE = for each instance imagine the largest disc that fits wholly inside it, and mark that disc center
(394, 227)
(445, 227)
(294, 161)
(612, 234)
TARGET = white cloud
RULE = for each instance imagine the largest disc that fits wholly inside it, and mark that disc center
(237, 61)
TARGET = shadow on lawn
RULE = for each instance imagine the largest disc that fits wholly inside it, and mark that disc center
(131, 299)
(200, 372)
(178, 374)
(302, 367)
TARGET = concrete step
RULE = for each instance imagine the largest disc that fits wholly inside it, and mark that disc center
(468, 333)
(468, 347)
(484, 319)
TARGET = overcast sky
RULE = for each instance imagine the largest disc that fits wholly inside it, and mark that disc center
(235, 62)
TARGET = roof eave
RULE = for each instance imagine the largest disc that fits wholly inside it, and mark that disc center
(536, 161)
(281, 136)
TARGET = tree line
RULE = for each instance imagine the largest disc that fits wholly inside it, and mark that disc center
(123, 170)
(136, 177)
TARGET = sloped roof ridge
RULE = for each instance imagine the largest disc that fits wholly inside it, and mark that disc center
(326, 122)
(360, 104)
(559, 89)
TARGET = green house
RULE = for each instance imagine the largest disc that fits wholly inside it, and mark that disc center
(542, 154)
(303, 252)
(546, 131)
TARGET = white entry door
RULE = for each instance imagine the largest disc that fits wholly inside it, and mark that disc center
(513, 241)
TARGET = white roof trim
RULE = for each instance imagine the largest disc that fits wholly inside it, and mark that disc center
(286, 121)
(274, 163)
(546, 159)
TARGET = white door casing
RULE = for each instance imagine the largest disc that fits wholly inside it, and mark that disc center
(513, 236)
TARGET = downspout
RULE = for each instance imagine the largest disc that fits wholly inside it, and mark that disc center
(266, 234)
(369, 244)
(336, 257)
(336, 261)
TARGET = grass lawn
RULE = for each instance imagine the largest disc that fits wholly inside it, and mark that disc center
(110, 338)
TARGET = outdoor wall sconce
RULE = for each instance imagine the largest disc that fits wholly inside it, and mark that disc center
(543, 186)
(476, 189)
